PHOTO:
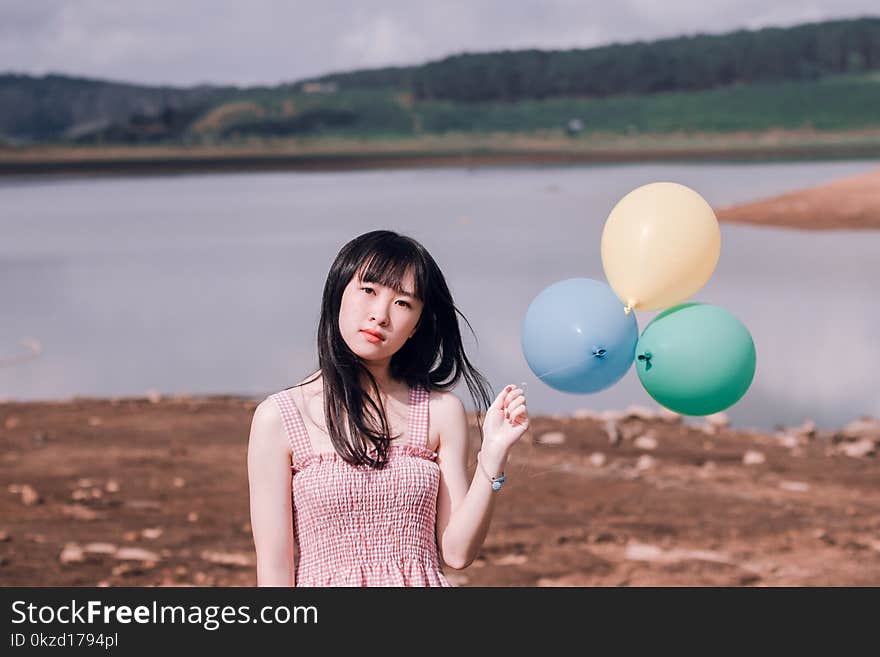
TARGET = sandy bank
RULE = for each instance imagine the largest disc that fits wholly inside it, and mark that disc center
(849, 203)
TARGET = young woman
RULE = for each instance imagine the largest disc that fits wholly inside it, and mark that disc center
(362, 467)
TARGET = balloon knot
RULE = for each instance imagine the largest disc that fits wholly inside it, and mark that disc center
(598, 352)
(646, 357)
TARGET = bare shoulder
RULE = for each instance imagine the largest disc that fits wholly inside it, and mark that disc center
(267, 426)
(445, 403)
(448, 417)
(267, 412)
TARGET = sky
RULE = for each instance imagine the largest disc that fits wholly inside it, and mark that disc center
(271, 41)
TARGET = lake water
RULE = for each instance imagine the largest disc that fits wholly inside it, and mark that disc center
(208, 284)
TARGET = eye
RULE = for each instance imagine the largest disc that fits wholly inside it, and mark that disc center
(367, 289)
(405, 304)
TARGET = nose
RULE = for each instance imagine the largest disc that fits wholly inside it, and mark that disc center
(379, 312)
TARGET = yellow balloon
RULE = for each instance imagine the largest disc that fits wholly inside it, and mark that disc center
(660, 245)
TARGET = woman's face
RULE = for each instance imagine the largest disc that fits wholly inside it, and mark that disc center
(369, 307)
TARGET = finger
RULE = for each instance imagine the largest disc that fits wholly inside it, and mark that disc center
(512, 413)
(505, 394)
(519, 416)
(516, 403)
(511, 394)
(499, 400)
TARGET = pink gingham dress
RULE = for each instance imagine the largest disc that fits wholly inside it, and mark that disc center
(358, 526)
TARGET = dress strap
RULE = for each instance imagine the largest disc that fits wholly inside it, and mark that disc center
(418, 416)
(297, 435)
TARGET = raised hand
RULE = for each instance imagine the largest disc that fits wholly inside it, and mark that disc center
(506, 420)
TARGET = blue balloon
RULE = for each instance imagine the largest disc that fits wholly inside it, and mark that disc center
(577, 338)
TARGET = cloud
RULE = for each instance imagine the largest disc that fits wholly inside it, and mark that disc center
(378, 41)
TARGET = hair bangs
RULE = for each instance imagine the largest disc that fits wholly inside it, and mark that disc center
(390, 266)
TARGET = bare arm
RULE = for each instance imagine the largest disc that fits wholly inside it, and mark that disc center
(269, 479)
(464, 511)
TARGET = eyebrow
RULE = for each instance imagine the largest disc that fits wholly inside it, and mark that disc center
(403, 293)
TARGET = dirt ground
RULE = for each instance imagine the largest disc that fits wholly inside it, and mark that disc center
(848, 203)
(144, 492)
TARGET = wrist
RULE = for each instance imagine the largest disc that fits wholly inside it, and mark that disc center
(494, 474)
(494, 453)
(493, 462)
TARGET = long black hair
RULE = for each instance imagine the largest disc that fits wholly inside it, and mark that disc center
(433, 357)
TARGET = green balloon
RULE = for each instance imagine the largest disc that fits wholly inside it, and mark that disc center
(696, 359)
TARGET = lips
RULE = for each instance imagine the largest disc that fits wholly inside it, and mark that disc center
(375, 335)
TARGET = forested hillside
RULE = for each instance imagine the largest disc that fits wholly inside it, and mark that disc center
(820, 75)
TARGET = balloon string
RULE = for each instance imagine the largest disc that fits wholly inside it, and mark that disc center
(568, 367)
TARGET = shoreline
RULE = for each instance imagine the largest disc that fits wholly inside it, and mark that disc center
(847, 204)
(447, 150)
(320, 162)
